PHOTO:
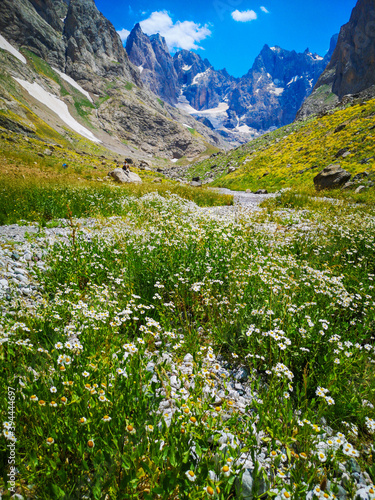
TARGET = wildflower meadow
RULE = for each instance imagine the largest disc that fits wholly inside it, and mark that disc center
(185, 352)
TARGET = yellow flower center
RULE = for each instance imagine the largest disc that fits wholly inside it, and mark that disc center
(191, 473)
(225, 468)
(90, 444)
(130, 428)
(193, 419)
(50, 440)
(210, 490)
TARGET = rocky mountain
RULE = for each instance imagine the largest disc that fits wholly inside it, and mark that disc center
(152, 57)
(62, 64)
(268, 96)
(351, 68)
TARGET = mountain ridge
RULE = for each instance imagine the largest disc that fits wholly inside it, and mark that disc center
(84, 46)
(268, 95)
(351, 68)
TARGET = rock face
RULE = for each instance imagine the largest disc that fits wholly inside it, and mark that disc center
(21, 24)
(93, 47)
(121, 176)
(154, 62)
(331, 177)
(351, 69)
(269, 95)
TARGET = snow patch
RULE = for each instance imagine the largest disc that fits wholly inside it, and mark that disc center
(244, 129)
(294, 79)
(57, 106)
(199, 76)
(185, 67)
(9, 48)
(174, 160)
(141, 68)
(73, 83)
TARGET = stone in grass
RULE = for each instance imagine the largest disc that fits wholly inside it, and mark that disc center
(196, 184)
(360, 189)
(15, 255)
(242, 375)
(119, 175)
(348, 185)
(261, 191)
(245, 488)
(331, 177)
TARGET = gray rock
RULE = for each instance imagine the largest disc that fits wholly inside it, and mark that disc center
(349, 185)
(331, 177)
(15, 255)
(261, 191)
(244, 488)
(119, 175)
(360, 189)
(157, 180)
(241, 375)
(354, 466)
(196, 184)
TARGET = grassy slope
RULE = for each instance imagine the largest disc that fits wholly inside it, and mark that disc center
(284, 153)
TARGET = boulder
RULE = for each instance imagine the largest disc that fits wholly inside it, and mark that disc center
(121, 176)
(261, 191)
(331, 177)
(231, 170)
(196, 184)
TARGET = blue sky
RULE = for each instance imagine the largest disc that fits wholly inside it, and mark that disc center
(231, 33)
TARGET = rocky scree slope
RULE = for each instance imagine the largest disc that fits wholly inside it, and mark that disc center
(268, 96)
(63, 39)
(351, 68)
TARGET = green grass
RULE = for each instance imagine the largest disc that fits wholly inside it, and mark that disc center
(44, 201)
(288, 154)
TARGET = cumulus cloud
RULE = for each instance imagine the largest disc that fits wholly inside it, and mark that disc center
(244, 16)
(263, 9)
(179, 35)
(123, 34)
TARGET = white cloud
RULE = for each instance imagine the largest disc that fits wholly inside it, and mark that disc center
(263, 9)
(179, 35)
(243, 17)
(123, 34)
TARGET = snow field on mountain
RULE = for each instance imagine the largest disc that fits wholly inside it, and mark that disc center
(57, 106)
